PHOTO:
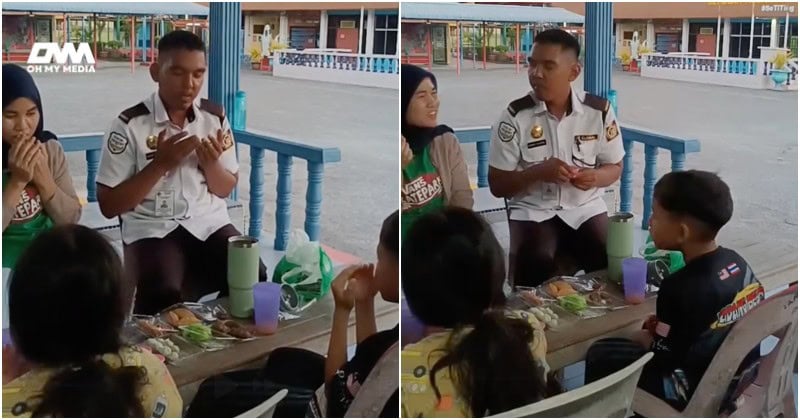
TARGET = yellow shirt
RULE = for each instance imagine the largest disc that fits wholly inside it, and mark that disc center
(159, 395)
(418, 397)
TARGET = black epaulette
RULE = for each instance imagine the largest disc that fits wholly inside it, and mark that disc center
(135, 111)
(213, 108)
(598, 103)
(518, 105)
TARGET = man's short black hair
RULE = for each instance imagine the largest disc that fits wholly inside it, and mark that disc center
(698, 194)
(559, 37)
(181, 40)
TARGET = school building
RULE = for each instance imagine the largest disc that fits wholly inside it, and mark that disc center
(721, 29)
(365, 27)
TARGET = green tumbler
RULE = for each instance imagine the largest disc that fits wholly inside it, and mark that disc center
(619, 243)
(243, 257)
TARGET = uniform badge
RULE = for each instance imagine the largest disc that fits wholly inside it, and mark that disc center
(152, 142)
(117, 143)
(227, 140)
(612, 131)
(537, 131)
(506, 132)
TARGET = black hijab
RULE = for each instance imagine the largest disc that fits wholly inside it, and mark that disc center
(18, 83)
(417, 137)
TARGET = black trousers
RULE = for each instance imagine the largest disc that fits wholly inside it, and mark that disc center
(535, 247)
(178, 268)
(609, 355)
(229, 394)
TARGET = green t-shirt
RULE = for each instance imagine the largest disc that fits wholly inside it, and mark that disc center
(28, 221)
(422, 189)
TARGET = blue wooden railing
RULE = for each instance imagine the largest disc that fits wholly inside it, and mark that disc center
(652, 142)
(316, 158)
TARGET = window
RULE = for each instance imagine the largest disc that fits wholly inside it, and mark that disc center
(792, 35)
(385, 40)
(740, 39)
(258, 29)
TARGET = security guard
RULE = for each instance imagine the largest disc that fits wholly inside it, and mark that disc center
(168, 163)
(552, 153)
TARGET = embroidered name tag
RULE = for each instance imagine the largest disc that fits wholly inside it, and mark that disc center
(539, 143)
(587, 137)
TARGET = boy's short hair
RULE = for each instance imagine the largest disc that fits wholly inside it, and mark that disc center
(701, 195)
(559, 37)
(181, 40)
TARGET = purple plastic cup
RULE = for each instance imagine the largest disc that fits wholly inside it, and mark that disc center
(266, 305)
(634, 279)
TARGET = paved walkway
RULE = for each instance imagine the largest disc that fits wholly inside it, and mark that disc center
(358, 192)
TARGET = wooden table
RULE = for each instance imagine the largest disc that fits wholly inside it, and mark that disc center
(314, 324)
(567, 344)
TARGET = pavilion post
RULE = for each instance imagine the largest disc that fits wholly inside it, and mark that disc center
(144, 39)
(223, 57)
(94, 36)
(133, 42)
(516, 47)
(152, 39)
(483, 38)
(458, 49)
(429, 45)
(599, 48)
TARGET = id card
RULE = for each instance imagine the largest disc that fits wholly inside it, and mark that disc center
(165, 203)
(549, 192)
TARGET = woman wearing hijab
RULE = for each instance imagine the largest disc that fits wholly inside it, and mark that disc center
(434, 171)
(37, 188)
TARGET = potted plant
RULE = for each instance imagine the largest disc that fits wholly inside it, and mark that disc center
(255, 58)
(780, 72)
(625, 59)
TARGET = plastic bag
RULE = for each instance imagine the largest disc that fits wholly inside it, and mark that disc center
(306, 272)
(673, 259)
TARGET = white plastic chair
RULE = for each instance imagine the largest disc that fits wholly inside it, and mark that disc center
(611, 396)
(265, 409)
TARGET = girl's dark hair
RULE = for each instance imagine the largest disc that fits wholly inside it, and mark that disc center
(66, 310)
(390, 234)
(93, 389)
(453, 270)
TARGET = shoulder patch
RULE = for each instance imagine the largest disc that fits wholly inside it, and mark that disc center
(135, 111)
(213, 108)
(598, 103)
(518, 105)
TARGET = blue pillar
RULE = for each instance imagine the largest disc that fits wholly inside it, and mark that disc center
(599, 23)
(223, 53)
(223, 58)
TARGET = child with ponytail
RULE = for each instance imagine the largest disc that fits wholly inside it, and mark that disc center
(486, 359)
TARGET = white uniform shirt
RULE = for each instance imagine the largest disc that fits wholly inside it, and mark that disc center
(181, 197)
(527, 134)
